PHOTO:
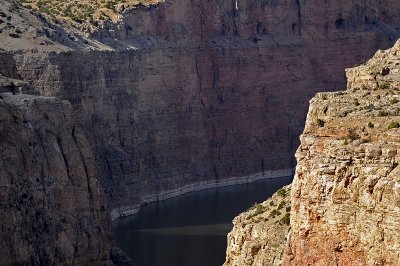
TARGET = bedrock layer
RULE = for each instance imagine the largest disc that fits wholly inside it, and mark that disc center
(189, 92)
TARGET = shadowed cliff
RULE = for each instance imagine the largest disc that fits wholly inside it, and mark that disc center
(191, 92)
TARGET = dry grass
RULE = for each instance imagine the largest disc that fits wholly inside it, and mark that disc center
(84, 14)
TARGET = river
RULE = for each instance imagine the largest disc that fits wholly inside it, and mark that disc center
(189, 230)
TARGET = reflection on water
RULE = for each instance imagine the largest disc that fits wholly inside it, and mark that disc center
(199, 230)
(189, 230)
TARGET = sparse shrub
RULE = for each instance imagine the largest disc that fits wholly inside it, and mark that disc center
(394, 125)
(281, 205)
(370, 125)
(356, 102)
(378, 97)
(282, 192)
(14, 35)
(393, 101)
(324, 97)
(382, 113)
(346, 141)
(259, 209)
(384, 85)
(274, 213)
(320, 122)
(352, 135)
(286, 219)
(288, 209)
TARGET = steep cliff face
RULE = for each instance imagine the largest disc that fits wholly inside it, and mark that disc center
(52, 211)
(191, 91)
(345, 196)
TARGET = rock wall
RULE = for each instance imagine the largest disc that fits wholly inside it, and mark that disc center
(177, 94)
(52, 209)
(259, 235)
(345, 195)
(186, 92)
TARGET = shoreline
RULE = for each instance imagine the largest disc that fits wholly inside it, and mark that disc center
(195, 187)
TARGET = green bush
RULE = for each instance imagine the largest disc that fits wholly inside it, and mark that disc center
(394, 125)
(384, 85)
(320, 122)
(282, 192)
(274, 213)
(281, 205)
(382, 113)
(286, 219)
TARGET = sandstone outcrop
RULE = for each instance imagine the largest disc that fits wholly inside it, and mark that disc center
(259, 235)
(345, 195)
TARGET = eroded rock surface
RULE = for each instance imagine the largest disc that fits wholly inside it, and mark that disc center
(345, 198)
(259, 235)
(52, 210)
(189, 92)
(179, 94)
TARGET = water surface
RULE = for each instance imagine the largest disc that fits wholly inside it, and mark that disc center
(189, 230)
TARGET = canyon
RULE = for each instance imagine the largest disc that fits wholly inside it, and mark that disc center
(344, 197)
(175, 97)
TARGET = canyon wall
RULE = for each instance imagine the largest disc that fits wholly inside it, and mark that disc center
(52, 210)
(190, 91)
(345, 195)
(178, 96)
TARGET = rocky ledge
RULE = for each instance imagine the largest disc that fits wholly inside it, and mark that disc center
(259, 234)
(345, 198)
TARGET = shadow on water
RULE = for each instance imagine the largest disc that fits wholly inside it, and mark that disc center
(189, 230)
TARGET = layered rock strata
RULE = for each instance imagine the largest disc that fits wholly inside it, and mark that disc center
(52, 211)
(345, 196)
(259, 235)
(188, 92)
(176, 94)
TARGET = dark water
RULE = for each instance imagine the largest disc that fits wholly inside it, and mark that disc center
(189, 230)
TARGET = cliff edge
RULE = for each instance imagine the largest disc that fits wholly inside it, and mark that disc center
(345, 197)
